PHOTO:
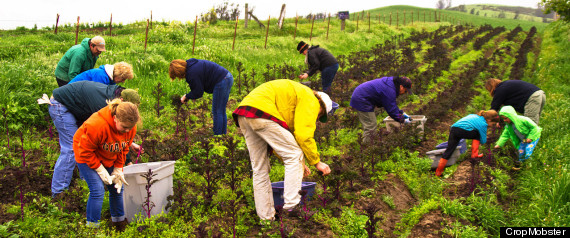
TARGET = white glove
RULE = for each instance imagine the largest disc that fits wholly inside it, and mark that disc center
(44, 100)
(105, 177)
(119, 179)
(407, 121)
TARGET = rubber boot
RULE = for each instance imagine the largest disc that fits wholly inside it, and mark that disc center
(475, 149)
(440, 167)
(120, 225)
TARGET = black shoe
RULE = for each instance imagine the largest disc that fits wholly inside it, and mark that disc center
(294, 212)
(120, 225)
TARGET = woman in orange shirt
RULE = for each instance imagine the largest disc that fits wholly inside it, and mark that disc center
(101, 145)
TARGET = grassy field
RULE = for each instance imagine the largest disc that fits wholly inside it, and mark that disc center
(538, 195)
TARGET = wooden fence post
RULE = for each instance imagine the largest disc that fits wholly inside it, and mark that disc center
(357, 18)
(412, 15)
(312, 25)
(194, 41)
(56, 23)
(111, 26)
(151, 19)
(235, 32)
(246, 16)
(368, 21)
(404, 18)
(296, 21)
(397, 19)
(77, 30)
(390, 18)
(328, 26)
(267, 32)
(146, 35)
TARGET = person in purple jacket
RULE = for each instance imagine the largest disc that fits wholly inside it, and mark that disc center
(206, 76)
(107, 74)
(380, 92)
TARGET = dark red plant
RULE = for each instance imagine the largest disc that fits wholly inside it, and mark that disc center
(148, 204)
(158, 93)
(5, 114)
(371, 210)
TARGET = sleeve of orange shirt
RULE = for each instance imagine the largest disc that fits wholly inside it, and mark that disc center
(85, 142)
(120, 161)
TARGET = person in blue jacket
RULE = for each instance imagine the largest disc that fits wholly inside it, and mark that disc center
(380, 92)
(473, 126)
(206, 76)
(107, 74)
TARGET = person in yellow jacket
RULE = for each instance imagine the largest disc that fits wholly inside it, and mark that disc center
(282, 114)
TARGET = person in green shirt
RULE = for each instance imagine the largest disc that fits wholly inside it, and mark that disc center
(522, 131)
(79, 58)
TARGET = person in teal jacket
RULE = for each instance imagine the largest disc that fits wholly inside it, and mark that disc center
(109, 74)
(473, 126)
(79, 58)
(521, 130)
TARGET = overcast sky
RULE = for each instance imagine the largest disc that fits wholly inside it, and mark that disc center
(15, 13)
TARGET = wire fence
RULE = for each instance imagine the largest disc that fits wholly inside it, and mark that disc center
(361, 19)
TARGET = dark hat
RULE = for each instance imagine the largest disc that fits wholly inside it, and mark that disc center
(404, 81)
(130, 95)
(302, 46)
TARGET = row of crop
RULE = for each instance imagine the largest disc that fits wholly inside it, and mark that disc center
(517, 69)
(210, 182)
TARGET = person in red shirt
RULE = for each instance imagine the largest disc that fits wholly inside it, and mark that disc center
(101, 145)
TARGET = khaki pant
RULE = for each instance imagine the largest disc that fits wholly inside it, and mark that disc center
(369, 125)
(258, 134)
(534, 105)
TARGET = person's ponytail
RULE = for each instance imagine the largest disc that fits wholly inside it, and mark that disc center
(125, 112)
(490, 115)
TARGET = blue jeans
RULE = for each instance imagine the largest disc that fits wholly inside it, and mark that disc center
(220, 99)
(327, 76)
(97, 194)
(526, 149)
(66, 126)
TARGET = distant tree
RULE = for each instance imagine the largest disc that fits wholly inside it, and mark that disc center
(516, 15)
(448, 4)
(209, 17)
(562, 7)
(477, 13)
(440, 4)
(502, 15)
(461, 8)
(472, 11)
(223, 12)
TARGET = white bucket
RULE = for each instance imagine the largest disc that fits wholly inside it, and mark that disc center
(435, 155)
(135, 194)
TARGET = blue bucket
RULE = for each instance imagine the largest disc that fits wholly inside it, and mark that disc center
(462, 143)
(277, 188)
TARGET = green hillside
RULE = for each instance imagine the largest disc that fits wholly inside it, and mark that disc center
(508, 12)
(448, 16)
